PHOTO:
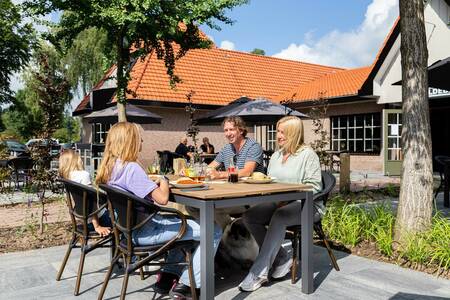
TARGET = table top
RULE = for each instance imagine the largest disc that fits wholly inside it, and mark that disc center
(222, 190)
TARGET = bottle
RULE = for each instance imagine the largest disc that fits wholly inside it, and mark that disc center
(232, 172)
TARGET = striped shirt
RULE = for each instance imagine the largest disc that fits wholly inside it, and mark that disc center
(251, 151)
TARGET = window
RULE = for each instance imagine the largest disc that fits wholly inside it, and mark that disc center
(99, 132)
(356, 133)
(271, 137)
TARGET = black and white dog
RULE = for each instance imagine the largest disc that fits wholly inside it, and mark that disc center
(238, 248)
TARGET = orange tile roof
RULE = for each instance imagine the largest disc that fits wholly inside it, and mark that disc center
(340, 84)
(220, 76)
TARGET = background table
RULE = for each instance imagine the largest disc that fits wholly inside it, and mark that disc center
(239, 194)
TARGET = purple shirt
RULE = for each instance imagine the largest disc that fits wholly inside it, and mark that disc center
(130, 176)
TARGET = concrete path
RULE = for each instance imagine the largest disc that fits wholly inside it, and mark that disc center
(31, 275)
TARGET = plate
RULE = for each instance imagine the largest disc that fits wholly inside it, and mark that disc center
(186, 186)
(251, 180)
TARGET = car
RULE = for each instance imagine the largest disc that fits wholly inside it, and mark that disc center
(55, 148)
(16, 148)
(43, 142)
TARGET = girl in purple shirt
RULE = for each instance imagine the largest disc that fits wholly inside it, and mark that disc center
(119, 168)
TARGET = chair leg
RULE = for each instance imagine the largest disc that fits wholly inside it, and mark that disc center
(191, 274)
(108, 275)
(80, 267)
(321, 234)
(72, 243)
(126, 276)
(295, 242)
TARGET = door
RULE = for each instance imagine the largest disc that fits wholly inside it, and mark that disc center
(392, 122)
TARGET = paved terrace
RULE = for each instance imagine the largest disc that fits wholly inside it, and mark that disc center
(31, 275)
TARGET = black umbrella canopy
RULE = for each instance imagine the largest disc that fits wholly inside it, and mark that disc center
(259, 111)
(438, 75)
(134, 114)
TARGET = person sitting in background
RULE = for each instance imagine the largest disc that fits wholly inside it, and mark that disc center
(120, 169)
(183, 150)
(206, 147)
(71, 167)
(293, 162)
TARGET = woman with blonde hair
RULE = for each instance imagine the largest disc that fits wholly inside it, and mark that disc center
(71, 167)
(293, 162)
(119, 168)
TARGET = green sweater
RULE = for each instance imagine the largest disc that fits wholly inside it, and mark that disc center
(301, 167)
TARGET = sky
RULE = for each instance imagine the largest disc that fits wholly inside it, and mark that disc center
(341, 33)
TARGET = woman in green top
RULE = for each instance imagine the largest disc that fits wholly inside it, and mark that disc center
(293, 162)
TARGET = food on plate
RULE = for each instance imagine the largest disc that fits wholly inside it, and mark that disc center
(186, 180)
(259, 176)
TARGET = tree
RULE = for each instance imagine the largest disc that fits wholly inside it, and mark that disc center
(258, 51)
(416, 190)
(23, 117)
(69, 130)
(137, 28)
(16, 42)
(88, 59)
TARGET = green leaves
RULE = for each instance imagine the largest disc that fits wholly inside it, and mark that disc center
(150, 25)
(16, 42)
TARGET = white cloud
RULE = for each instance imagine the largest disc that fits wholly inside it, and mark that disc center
(353, 48)
(227, 45)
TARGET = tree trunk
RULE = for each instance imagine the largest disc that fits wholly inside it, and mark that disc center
(122, 81)
(416, 191)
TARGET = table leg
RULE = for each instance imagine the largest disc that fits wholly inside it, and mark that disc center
(446, 186)
(307, 245)
(207, 250)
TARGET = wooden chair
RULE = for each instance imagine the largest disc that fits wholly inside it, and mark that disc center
(83, 204)
(132, 213)
(293, 233)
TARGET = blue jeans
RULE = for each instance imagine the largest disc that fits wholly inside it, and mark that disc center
(161, 229)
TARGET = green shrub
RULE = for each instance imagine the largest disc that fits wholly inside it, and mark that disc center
(380, 227)
(439, 240)
(350, 224)
(344, 223)
(416, 249)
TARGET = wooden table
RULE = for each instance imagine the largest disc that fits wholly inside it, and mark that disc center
(238, 194)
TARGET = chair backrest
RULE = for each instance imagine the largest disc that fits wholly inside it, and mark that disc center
(328, 184)
(130, 211)
(442, 161)
(21, 163)
(87, 201)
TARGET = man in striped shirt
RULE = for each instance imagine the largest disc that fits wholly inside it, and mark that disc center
(246, 153)
(247, 156)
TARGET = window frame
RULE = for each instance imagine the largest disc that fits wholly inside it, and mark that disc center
(352, 130)
(102, 133)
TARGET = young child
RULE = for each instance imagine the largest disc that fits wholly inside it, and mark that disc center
(120, 169)
(71, 167)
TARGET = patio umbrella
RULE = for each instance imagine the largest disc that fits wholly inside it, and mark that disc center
(259, 111)
(134, 114)
(438, 75)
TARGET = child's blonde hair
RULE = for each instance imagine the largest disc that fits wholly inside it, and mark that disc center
(123, 142)
(293, 132)
(69, 161)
